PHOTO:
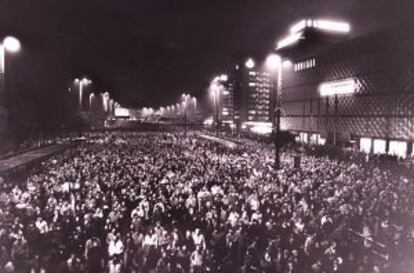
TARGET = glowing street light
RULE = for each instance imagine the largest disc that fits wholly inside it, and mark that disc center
(273, 61)
(12, 45)
(215, 87)
(91, 97)
(195, 104)
(276, 63)
(82, 83)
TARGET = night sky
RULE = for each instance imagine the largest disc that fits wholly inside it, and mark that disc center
(148, 52)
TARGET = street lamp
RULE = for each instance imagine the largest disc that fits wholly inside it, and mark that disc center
(195, 105)
(91, 97)
(215, 91)
(81, 83)
(12, 45)
(275, 62)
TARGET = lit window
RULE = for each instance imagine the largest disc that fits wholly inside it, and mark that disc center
(343, 87)
(379, 146)
(321, 141)
(305, 65)
(398, 148)
(365, 145)
(304, 137)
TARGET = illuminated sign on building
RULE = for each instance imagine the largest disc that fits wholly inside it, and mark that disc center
(327, 25)
(297, 30)
(289, 40)
(343, 87)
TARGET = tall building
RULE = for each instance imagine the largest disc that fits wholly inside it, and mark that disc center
(248, 97)
(227, 101)
(343, 90)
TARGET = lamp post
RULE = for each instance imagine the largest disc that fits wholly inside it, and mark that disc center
(12, 45)
(81, 84)
(274, 62)
(184, 98)
(215, 87)
(215, 93)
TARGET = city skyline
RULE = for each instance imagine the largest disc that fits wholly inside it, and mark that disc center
(149, 53)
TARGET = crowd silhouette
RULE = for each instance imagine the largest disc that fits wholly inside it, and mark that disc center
(156, 202)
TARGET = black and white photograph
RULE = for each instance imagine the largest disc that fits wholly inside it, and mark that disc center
(206, 136)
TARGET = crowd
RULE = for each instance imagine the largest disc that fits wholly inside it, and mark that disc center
(141, 202)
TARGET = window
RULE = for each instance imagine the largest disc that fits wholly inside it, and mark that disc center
(314, 138)
(380, 146)
(398, 148)
(303, 137)
(305, 65)
(365, 145)
(321, 141)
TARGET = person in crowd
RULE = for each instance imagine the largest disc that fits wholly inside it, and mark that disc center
(143, 202)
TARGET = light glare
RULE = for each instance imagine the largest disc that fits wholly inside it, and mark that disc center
(289, 40)
(273, 61)
(332, 25)
(11, 44)
(298, 26)
(249, 63)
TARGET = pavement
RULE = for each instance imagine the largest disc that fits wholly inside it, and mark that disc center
(31, 156)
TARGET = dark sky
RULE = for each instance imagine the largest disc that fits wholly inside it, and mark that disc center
(148, 52)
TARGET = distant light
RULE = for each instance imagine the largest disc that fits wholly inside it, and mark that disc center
(11, 44)
(121, 112)
(86, 81)
(328, 25)
(331, 25)
(287, 64)
(273, 61)
(208, 121)
(249, 63)
(224, 77)
(289, 40)
(76, 80)
(343, 87)
(299, 26)
(261, 129)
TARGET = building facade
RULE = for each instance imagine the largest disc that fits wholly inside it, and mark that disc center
(359, 90)
(248, 97)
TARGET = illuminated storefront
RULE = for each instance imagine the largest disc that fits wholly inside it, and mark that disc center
(350, 89)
